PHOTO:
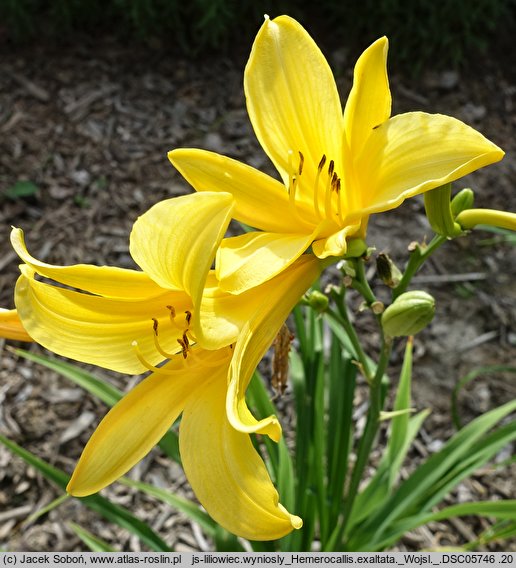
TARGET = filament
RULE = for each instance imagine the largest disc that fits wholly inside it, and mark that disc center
(316, 186)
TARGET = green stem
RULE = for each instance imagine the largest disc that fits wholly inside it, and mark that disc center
(360, 282)
(418, 256)
(342, 318)
(370, 430)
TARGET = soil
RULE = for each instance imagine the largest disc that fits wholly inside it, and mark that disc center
(90, 126)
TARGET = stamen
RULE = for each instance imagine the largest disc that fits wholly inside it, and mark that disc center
(184, 347)
(188, 317)
(301, 162)
(331, 168)
(146, 364)
(329, 186)
(339, 201)
(159, 349)
(172, 312)
(292, 184)
(316, 186)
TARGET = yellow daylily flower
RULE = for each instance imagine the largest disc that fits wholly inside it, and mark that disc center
(225, 471)
(337, 167)
(121, 319)
(132, 321)
(11, 326)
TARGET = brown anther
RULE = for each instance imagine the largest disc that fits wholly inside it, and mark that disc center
(322, 162)
(172, 311)
(184, 348)
(334, 179)
(301, 163)
(337, 185)
(188, 317)
(185, 340)
(155, 326)
(331, 168)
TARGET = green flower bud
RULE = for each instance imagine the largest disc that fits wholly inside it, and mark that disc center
(317, 301)
(439, 213)
(387, 270)
(408, 314)
(473, 217)
(462, 201)
(356, 248)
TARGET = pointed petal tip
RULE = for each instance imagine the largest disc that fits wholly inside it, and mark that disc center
(76, 490)
(297, 522)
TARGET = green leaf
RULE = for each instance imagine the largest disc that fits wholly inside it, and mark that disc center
(105, 392)
(99, 388)
(500, 531)
(348, 346)
(44, 510)
(180, 503)
(505, 510)
(342, 375)
(402, 432)
(113, 513)
(20, 189)
(94, 543)
(467, 450)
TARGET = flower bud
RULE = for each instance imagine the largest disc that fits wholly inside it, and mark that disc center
(439, 213)
(472, 217)
(462, 201)
(356, 248)
(408, 314)
(317, 301)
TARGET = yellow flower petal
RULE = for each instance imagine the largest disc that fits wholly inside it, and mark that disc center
(414, 152)
(11, 327)
(248, 260)
(226, 473)
(256, 337)
(336, 244)
(369, 103)
(256, 194)
(292, 98)
(98, 330)
(174, 242)
(137, 423)
(104, 280)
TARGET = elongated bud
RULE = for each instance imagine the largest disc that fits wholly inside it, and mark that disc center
(439, 212)
(472, 217)
(388, 272)
(408, 314)
(462, 201)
